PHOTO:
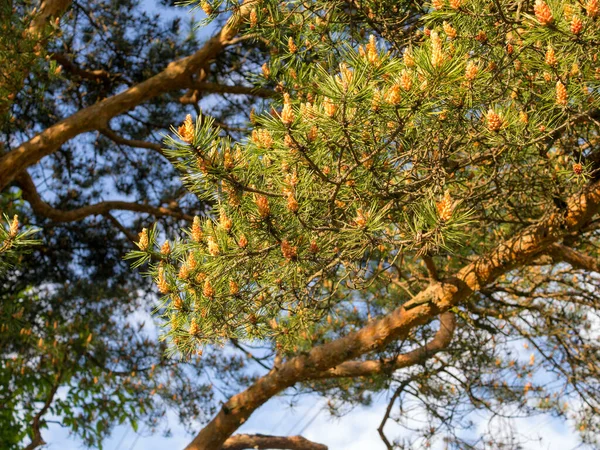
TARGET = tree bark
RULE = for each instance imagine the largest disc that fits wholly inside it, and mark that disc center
(263, 441)
(441, 340)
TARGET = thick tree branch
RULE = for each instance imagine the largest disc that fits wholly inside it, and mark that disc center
(39, 206)
(432, 301)
(173, 77)
(440, 341)
(263, 441)
(574, 258)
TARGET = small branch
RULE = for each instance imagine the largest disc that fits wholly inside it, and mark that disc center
(130, 236)
(215, 88)
(388, 411)
(37, 440)
(237, 345)
(431, 269)
(94, 75)
(131, 142)
(263, 441)
(42, 208)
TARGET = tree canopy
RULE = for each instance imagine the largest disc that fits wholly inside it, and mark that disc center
(404, 200)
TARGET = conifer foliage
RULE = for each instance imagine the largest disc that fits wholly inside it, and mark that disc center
(450, 149)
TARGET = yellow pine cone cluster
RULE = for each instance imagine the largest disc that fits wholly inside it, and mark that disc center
(345, 76)
(207, 8)
(225, 221)
(253, 18)
(213, 247)
(408, 58)
(163, 286)
(591, 8)
(405, 80)
(372, 54)
(445, 207)
(292, 47)
(551, 56)
(196, 230)
(194, 328)
(494, 121)
(471, 71)
(234, 289)
(14, 229)
(288, 251)
(184, 272)
(207, 290)
(376, 101)
(449, 30)
(542, 12)
(262, 138)
(186, 130)
(265, 70)
(292, 203)
(142, 243)
(329, 107)
(437, 55)
(287, 113)
(562, 97)
(361, 218)
(576, 25)
(393, 96)
(262, 203)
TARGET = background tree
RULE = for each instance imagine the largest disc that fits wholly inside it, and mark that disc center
(85, 90)
(422, 199)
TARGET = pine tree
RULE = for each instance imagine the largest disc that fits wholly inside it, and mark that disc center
(419, 199)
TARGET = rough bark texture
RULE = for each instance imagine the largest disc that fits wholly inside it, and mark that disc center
(263, 441)
(438, 298)
(441, 340)
(574, 258)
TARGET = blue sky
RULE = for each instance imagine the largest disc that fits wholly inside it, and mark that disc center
(355, 431)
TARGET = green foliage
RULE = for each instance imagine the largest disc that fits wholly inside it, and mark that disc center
(355, 172)
(436, 138)
(74, 283)
(13, 242)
